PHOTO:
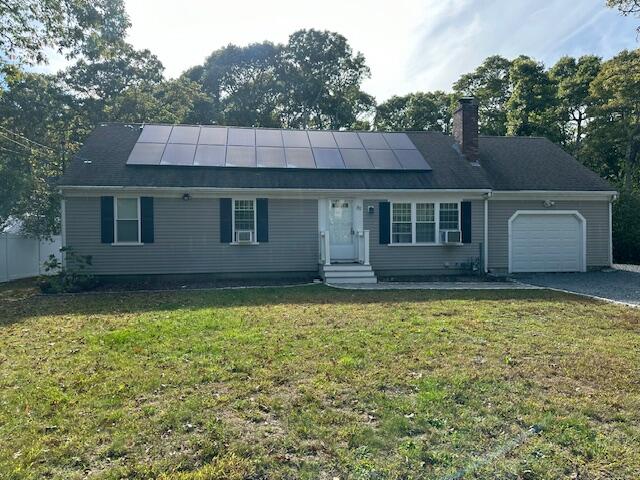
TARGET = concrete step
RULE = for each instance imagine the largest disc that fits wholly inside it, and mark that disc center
(356, 273)
(350, 280)
(347, 267)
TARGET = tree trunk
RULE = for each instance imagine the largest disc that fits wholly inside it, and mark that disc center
(633, 148)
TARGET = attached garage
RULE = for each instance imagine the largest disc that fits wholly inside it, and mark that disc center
(547, 241)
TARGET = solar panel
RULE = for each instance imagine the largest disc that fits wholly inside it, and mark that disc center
(213, 136)
(295, 138)
(146, 154)
(384, 159)
(273, 148)
(178, 154)
(356, 158)
(399, 141)
(184, 134)
(155, 133)
(328, 158)
(241, 136)
(268, 138)
(210, 155)
(411, 160)
(240, 156)
(347, 140)
(272, 157)
(299, 158)
(373, 140)
(321, 139)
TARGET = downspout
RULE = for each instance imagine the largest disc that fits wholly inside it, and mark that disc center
(63, 230)
(486, 231)
(613, 199)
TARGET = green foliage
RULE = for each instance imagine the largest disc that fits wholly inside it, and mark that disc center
(70, 277)
(573, 79)
(616, 93)
(322, 77)
(531, 106)
(626, 229)
(429, 111)
(491, 86)
(70, 26)
(313, 81)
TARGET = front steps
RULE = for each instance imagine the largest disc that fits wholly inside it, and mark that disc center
(351, 273)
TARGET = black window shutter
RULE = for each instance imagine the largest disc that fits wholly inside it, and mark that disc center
(465, 214)
(106, 219)
(262, 220)
(226, 217)
(384, 212)
(146, 219)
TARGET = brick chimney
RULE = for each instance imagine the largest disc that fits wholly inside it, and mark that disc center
(465, 128)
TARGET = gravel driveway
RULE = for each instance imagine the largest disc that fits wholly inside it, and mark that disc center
(621, 284)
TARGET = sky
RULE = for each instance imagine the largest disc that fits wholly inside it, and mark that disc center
(410, 45)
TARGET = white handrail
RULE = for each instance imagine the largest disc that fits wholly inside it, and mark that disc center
(325, 248)
(362, 246)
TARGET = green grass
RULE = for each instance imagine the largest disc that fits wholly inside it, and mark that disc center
(312, 382)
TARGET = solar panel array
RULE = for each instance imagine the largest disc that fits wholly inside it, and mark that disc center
(214, 146)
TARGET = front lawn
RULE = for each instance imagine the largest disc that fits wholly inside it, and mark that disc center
(313, 382)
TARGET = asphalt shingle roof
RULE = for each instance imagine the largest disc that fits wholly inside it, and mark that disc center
(507, 163)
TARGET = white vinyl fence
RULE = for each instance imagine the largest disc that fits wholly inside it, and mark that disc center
(22, 257)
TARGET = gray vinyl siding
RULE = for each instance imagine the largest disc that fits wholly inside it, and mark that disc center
(408, 260)
(187, 239)
(596, 214)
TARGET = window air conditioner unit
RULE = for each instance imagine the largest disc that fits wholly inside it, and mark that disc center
(451, 237)
(244, 236)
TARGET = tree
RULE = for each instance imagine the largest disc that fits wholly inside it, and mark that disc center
(616, 93)
(626, 7)
(531, 108)
(322, 79)
(242, 83)
(573, 78)
(173, 101)
(28, 27)
(40, 126)
(490, 85)
(416, 111)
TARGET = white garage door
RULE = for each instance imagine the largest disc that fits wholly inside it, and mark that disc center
(546, 243)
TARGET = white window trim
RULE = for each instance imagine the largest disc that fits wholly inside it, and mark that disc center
(233, 221)
(436, 215)
(115, 223)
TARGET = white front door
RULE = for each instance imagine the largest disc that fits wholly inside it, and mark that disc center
(341, 233)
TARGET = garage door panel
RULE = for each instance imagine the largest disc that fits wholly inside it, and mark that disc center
(546, 243)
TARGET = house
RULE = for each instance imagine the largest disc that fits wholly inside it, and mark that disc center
(350, 206)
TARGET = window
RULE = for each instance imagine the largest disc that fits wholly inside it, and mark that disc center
(127, 217)
(425, 223)
(422, 222)
(244, 220)
(401, 227)
(449, 216)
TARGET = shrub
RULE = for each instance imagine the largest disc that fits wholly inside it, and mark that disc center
(70, 278)
(626, 229)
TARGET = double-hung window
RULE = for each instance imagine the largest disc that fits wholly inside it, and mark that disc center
(244, 220)
(421, 222)
(401, 223)
(425, 223)
(127, 220)
(449, 215)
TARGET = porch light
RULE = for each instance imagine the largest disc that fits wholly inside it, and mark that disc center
(370, 209)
